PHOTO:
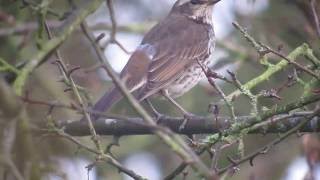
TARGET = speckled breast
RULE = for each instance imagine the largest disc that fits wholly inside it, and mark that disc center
(186, 81)
(192, 74)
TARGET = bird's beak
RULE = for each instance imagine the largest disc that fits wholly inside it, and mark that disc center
(212, 2)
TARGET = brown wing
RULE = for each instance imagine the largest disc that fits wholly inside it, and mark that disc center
(134, 73)
(179, 41)
(134, 76)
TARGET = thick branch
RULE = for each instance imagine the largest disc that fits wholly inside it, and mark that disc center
(201, 125)
(172, 140)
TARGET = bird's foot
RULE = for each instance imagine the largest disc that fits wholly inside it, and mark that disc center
(159, 117)
(186, 117)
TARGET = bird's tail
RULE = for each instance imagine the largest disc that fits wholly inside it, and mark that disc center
(106, 101)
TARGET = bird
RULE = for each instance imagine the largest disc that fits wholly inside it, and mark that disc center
(170, 58)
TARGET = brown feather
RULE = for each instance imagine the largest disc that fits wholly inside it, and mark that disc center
(191, 41)
(168, 54)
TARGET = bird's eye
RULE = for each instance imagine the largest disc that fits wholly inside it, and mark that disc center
(196, 2)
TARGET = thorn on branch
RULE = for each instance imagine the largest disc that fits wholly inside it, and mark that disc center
(89, 167)
(72, 70)
(297, 65)
(251, 160)
(280, 47)
(316, 91)
(67, 89)
(185, 173)
(233, 77)
(93, 68)
(73, 105)
(260, 49)
(233, 170)
(115, 142)
(59, 63)
(100, 37)
(232, 161)
(299, 134)
(272, 93)
(211, 74)
(50, 110)
(214, 109)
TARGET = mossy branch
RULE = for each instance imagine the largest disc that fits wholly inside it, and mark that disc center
(301, 50)
(54, 43)
(4, 66)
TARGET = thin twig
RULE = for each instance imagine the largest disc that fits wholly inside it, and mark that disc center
(245, 125)
(35, 6)
(266, 148)
(301, 50)
(299, 66)
(100, 154)
(27, 27)
(220, 92)
(263, 50)
(4, 66)
(13, 168)
(53, 44)
(67, 75)
(103, 157)
(114, 27)
(315, 16)
(253, 98)
(172, 140)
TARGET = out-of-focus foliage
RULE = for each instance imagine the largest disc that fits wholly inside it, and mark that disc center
(279, 23)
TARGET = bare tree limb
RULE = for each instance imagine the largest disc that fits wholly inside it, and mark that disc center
(200, 125)
(54, 43)
(174, 141)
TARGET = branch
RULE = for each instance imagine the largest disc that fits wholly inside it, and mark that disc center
(301, 50)
(68, 78)
(100, 156)
(4, 66)
(175, 142)
(13, 112)
(54, 43)
(266, 148)
(299, 66)
(9, 104)
(315, 16)
(21, 29)
(238, 127)
(110, 124)
(14, 169)
(198, 125)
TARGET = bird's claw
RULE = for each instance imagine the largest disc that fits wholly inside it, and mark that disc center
(159, 117)
(186, 117)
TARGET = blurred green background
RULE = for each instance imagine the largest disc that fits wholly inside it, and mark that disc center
(277, 23)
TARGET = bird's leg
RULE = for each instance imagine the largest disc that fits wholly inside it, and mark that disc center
(157, 114)
(187, 115)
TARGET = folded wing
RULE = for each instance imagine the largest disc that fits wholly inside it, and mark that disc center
(178, 44)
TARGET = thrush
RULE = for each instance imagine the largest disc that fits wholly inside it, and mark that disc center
(167, 60)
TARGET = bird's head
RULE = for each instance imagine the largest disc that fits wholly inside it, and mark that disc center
(195, 9)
